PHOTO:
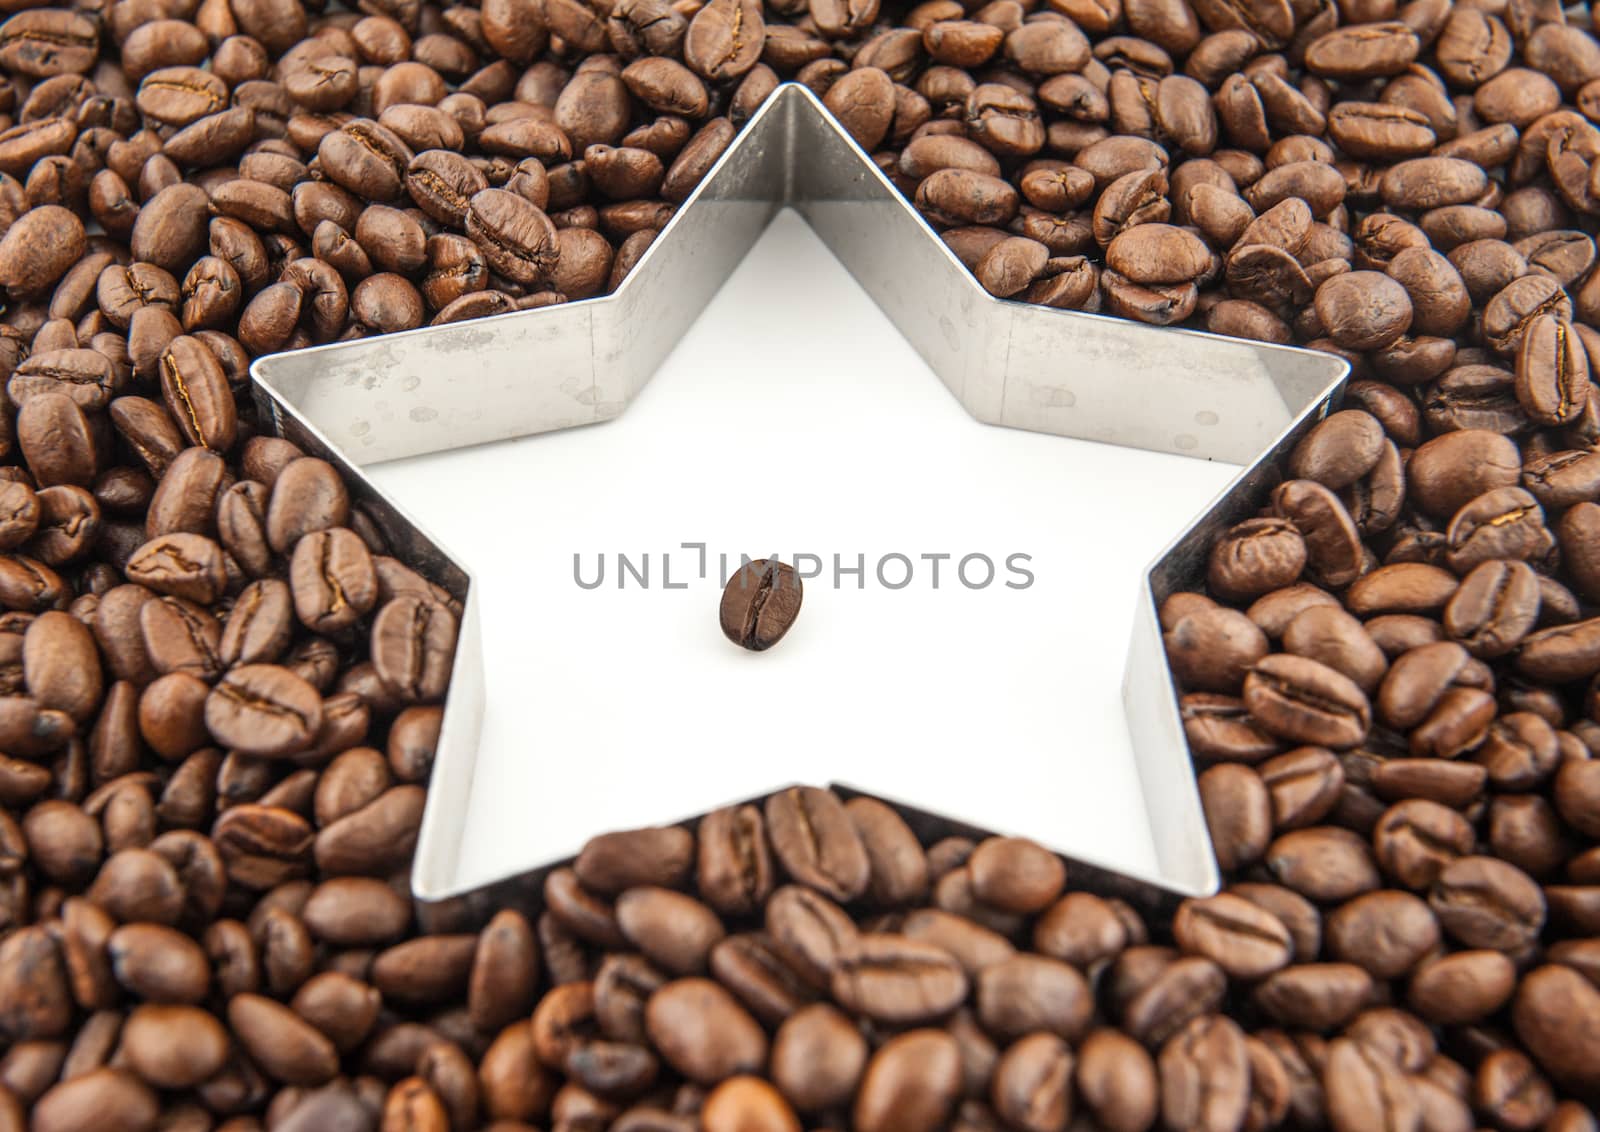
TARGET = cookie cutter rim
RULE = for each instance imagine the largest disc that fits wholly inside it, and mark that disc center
(1167, 390)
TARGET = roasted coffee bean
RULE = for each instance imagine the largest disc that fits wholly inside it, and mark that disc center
(1026, 993)
(1243, 939)
(897, 980)
(1303, 701)
(911, 1083)
(897, 865)
(816, 842)
(1205, 1075)
(1483, 902)
(760, 604)
(703, 1032)
(614, 862)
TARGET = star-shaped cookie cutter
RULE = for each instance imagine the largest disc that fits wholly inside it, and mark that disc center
(1009, 363)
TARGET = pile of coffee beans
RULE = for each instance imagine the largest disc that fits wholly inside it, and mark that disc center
(219, 689)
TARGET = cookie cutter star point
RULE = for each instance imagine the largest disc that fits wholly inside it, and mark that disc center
(1065, 373)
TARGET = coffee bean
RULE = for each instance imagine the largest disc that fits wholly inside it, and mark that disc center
(1080, 928)
(1304, 701)
(703, 1032)
(285, 1047)
(174, 1047)
(1243, 939)
(896, 863)
(1026, 993)
(39, 247)
(614, 862)
(760, 604)
(674, 931)
(1554, 1014)
(1205, 1075)
(1032, 1087)
(818, 1057)
(1365, 1089)
(748, 1104)
(911, 1083)
(196, 393)
(365, 158)
(113, 1099)
(816, 842)
(263, 710)
(770, 978)
(898, 980)
(1486, 903)
(724, 39)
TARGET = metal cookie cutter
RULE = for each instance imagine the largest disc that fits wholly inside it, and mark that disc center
(1028, 367)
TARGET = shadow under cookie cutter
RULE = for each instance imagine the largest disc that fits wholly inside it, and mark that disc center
(1009, 363)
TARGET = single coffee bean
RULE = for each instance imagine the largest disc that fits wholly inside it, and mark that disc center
(1245, 940)
(817, 843)
(1205, 1075)
(703, 1032)
(263, 710)
(818, 1058)
(760, 604)
(1027, 993)
(1486, 903)
(911, 1083)
(897, 980)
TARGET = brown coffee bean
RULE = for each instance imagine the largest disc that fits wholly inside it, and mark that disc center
(1554, 1015)
(196, 393)
(158, 964)
(174, 1047)
(181, 565)
(111, 1099)
(703, 1032)
(746, 1104)
(1462, 987)
(1365, 1089)
(1307, 702)
(39, 247)
(897, 865)
(1027, 993)
(764, 975)
(356, 912)
(1363, 310)
(280, 1042)
(1032, 1087)
(1486, 903)
(1255, 557)
(1015, 875)
(818, 1057)
(1245, 940)
(894, 979)
(911, 1083)
(1205, 1075)
(816, 842)
(367, 159)
(1552, 372)
(1323, 863)
(264, 710)
(1386, 932)
(955, 196)
(674, 931)
(613, 862)
(1238, 812)
(1318, 996)
(1451, 470)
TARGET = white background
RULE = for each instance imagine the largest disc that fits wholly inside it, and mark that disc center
(793, 419)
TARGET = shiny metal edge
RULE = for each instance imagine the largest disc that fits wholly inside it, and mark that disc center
(1064, 373)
